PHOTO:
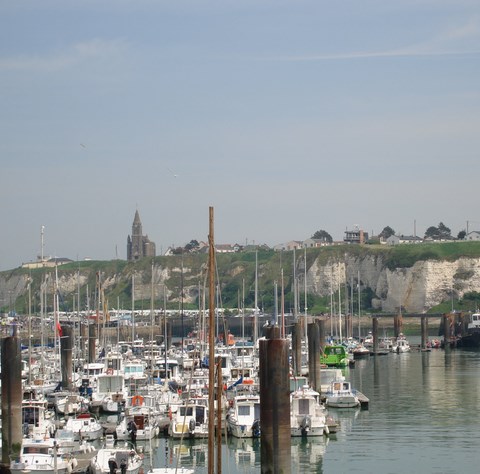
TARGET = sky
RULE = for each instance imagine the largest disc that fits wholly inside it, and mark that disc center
(287, 117)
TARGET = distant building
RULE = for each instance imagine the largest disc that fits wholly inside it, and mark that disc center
(138, 245)
(293, 244)
(403, 239)
(315, 243)
(474, 235)
(47, 262)
(355, 236)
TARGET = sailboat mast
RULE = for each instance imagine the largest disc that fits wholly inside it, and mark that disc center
(133, 309)
(211, 347)
(255, 311)
(359, 313)
(305, 295)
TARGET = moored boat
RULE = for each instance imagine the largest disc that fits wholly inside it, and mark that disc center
(41, 456)
(341, 395)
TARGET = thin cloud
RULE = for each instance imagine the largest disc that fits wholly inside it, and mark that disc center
(77, 53)
(459, 40)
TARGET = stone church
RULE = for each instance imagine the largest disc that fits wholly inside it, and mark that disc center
(138, 245)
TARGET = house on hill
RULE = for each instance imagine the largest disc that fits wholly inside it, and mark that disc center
(403, 239)
(293, 244)
(355, 236)
(474, 235)
(315, 243)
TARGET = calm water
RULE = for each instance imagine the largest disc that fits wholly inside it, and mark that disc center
(424, 416)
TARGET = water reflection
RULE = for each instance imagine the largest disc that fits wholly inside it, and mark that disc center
(423, 416)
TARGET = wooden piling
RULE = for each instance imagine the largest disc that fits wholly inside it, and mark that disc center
(424, 332)
(297, 348)
(375, 334)
(92, 339)
(66, 356)
(321, 335)
(275, 442)
(313, 333)
(11, 401)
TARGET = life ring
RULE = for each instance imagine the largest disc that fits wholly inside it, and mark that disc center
(248, 381)
(109, 371)
(137, 400)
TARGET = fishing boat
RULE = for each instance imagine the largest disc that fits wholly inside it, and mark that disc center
(341, 395)
(109, 459)
(472, 337)
(190, 420)
(139, 420)
(85, 427)
(308, 415)
(334, 356)
(41, 456)
(401, 344)
(243, 417)
(360, 351)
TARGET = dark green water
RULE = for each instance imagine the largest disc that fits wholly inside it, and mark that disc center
(424, 417)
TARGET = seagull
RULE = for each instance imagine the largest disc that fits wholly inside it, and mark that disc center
(174, 175)
(82, 145)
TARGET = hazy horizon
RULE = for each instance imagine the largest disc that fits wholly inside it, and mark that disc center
(287, 117)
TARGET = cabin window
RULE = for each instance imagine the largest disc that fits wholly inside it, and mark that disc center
(303, 406)
(186, 411)
(243, 410)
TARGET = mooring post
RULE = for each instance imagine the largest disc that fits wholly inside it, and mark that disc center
(424, 331)
(297, 348)
(11, 401)
(66, 356)
(375, 334)
(321, 334)
(275, 441)
(446, 331)
(313, 331)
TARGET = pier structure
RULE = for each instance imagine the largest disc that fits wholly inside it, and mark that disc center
(11, 358)
(275, 435)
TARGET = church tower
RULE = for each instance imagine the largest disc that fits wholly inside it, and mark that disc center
(138, 245)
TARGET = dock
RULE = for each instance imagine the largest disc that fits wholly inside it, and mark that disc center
(364, 400)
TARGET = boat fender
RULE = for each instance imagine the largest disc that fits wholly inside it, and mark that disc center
(74, 462)
(326, 430)
(191, 425)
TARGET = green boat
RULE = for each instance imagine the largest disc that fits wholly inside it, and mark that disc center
(334, 356)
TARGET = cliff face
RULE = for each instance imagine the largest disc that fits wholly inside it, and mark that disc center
(418, 288)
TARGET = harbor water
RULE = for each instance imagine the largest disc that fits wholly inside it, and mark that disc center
(424, 417)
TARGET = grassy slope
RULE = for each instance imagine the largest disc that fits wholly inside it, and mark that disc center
(236, 272)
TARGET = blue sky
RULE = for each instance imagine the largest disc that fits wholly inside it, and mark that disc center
(286, 116)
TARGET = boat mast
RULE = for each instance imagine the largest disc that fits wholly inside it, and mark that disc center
(295, 295)
(359, 311)
(305, 295)
(211, 347)
(255, 311)
(133, 309)
(152, 320)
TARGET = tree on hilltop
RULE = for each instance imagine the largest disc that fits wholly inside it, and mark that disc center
(386, 232)
(322, 235)
(438, 233)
